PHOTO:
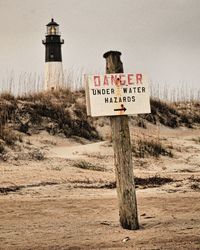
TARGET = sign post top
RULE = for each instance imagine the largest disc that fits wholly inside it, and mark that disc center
(107, 54)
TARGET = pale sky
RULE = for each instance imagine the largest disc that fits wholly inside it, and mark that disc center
(157, 37)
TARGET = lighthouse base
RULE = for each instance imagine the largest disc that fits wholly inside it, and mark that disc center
(54, 77)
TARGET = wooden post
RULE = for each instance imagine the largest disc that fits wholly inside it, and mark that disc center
(122, 156)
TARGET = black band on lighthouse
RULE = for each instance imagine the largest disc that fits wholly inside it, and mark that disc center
(53, 43)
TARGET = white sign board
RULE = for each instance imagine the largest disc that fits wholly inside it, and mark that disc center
(117, 94)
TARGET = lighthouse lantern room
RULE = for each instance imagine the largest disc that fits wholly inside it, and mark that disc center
(53, 57)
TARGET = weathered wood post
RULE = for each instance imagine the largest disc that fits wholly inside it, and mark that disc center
(122, 156)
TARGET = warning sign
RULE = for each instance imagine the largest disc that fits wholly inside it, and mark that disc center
(117, 94)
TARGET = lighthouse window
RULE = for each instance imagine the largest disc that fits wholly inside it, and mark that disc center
(53, 30)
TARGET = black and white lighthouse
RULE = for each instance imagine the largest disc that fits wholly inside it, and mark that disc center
(53, 57)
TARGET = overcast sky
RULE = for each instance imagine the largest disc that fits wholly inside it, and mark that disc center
(157, 37)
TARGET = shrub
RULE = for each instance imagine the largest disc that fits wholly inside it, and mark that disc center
(171, 115)
(197, 140)
(149, 182)
(2, 148)
(144, 147)
(8, 136)
(60, 111)
(37, 154)
(195, 186)
(165, 113)
(88, 166)
(154, 181)
(7, 96)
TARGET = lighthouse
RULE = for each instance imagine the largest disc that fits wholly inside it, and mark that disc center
(54, 77)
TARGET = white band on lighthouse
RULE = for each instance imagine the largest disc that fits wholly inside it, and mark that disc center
(54, 77)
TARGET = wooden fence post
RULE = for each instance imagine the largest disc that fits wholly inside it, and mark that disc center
(122, 156)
